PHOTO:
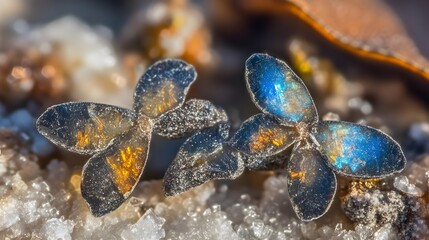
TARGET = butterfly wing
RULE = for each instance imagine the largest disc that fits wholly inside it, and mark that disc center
(262, 135)
(203, 157)
(109, 177)
(193, 116)
(82, 127)
(311, 184)
(276, 89)
(163, 87)
(359, 151)
(271, 163)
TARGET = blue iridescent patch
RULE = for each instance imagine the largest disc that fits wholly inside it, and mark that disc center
(359, 151)
(277, 90)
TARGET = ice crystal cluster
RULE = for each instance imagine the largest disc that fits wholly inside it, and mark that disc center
(46, 204)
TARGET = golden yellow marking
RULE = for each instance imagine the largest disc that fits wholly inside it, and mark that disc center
(82, 140)
(160, 101)
(266, 138)
(98, 133)
(338, 147)
(361, 186)
(300, 175)
(127, 167)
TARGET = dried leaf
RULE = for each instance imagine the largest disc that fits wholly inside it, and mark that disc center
(367, 28)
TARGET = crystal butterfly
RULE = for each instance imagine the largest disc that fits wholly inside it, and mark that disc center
(318, 149)
(203, 157)
(119, 138)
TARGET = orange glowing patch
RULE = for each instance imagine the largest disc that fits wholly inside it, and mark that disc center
(97, 135)
(267, 138)
(127, 166)
(300, 175)
(161, 100)
(82, 139)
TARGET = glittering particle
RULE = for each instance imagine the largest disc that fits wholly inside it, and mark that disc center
(194, 115)
(127, 167)
(359, 151)
(203, 157)
(374, 207)
(311, 184)
(270, 163)
(84, 127)
(277, 90)
(160, 100)
(163, 87)
(263, 135)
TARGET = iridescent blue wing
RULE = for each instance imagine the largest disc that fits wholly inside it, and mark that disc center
(203, 157)
(262, 135)
(109, 177)
(276, 89)
(311, 184)
(359, 151)
(193, 116)
(82, 127)
(163, 87)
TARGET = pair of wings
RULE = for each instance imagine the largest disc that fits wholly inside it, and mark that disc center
(119, 138)
(289, 113)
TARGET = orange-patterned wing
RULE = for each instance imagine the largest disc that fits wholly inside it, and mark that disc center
(82, 127)
(109, 177)
(163, 87)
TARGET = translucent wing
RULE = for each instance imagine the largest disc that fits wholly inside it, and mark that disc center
(84, 127)
(194, 115)
(163, 87)
(203, 157)
(271, 163)
(276, 89)
(359, 151)
(311, 184)
(110, 176)
(262, 135)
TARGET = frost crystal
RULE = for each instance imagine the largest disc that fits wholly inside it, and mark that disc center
(47, 204)
(402, 184)
(148, 226)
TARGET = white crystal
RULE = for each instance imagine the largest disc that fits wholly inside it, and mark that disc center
(47, 204)
(330, 116)
(149, 226)
(55, 228)
(402, 184)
